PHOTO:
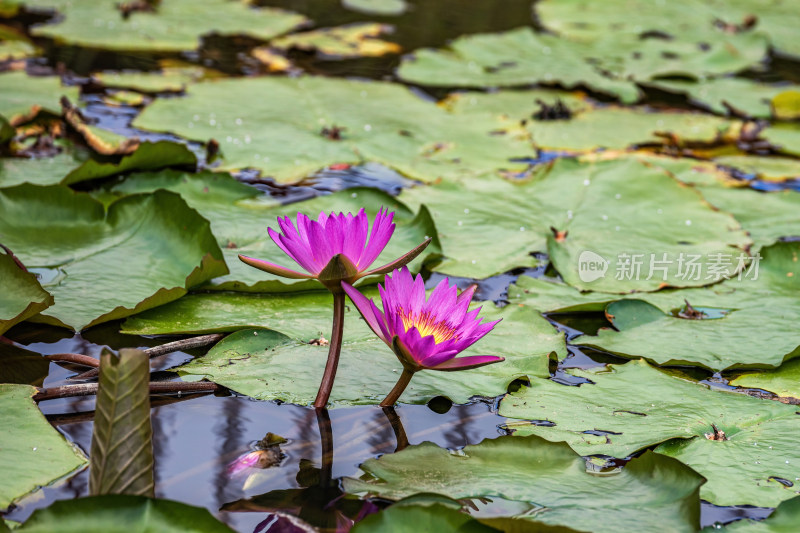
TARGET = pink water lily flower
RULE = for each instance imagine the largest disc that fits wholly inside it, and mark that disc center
(424, 333)
(335, 247)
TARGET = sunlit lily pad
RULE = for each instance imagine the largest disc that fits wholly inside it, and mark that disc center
(309, 123)
(352, 40)
(784, 136)
(32, 453)
(21, 295)
(514, 58)
(783, 381)
(240, 216)
(116, 513)
(24, 96)
(269, 366)
(786, 105)
(172, 26)
(532, 479)
(490, 226)
(146, 251)
(634, 406)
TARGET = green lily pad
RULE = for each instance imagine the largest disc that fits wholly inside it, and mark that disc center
(783, 381)
(21, 295)
(784, 136)
(24, 96)
(633, 406)
(285, 135)
(32, 453)
(784, 519)
(384, 8)
(114, 513)
(14, 45)
(40, 170)
(173, 25)
(147, 156)
(415, 518)
(766, 168)
(745, 96)
(352, 40)
(490, 226)
(240, 216)
(7, 132)
(719, 30)
(514, 58)
(533, 479)
(144, 252)
(265, 364)
(766, 216)
(169, 79)
(514, 113)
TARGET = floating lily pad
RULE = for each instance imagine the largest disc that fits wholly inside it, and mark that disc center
(21, 295)
(514, 58)
(172, 25)
(377, 7)
(310, 122)
(240, 216)
(146, 251)
(32, 453)
(786, 105)
(609, 208)
(116, 513)
(766, 168)
(719, 31)
(24, 96)
(352, 40)
(415, 518)
(743, 96)
(785, 136)
(783, 381)
(634, 406)
(14, 45)
(170, 79)
(533, 479)
(766, 216)
(515, 112)
(147, 156)
(267, 365)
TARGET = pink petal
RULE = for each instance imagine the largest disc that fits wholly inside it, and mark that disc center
(465, 363)
(367, 310)
(382, 229)
(442, 302)
(355, 242)
(272, 268)
(463, 301)
(299, 253)
(319, 244)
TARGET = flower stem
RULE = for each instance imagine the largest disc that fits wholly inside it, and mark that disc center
(333, 352)
(399, 387)
(397, 427)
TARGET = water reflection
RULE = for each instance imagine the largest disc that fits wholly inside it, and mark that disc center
(196, 440)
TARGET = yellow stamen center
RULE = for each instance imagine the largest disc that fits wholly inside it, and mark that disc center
(426, 324)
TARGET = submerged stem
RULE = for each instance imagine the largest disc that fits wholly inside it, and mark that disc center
(399, 387)
(397, 427)
(333, 352)
(326, 455)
